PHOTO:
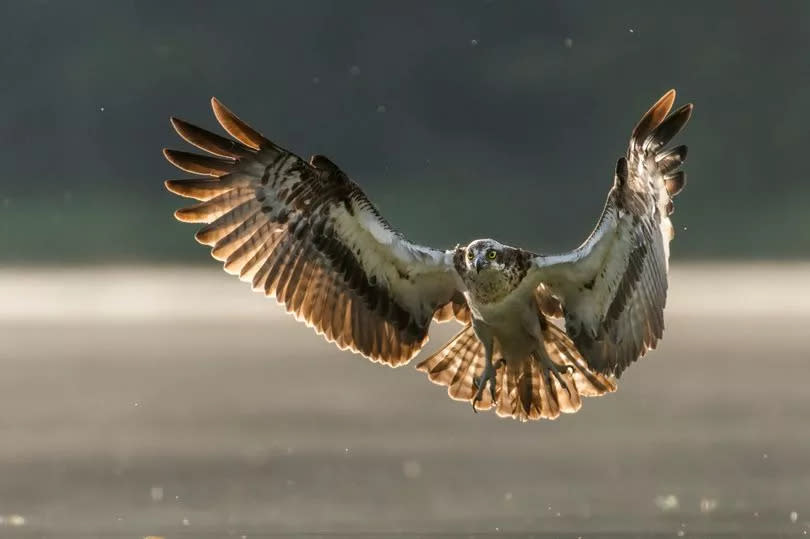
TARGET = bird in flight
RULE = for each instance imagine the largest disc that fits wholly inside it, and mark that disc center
(540, 331)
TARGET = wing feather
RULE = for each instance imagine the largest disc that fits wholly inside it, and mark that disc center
(613, 288)
(305, 234)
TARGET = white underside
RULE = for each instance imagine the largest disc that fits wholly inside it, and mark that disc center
(512, 322)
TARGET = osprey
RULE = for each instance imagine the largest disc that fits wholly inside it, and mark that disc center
(304, 233)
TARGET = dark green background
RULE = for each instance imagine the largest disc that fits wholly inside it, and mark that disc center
(460, 119)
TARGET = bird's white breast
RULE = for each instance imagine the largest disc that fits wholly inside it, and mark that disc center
(511, 321)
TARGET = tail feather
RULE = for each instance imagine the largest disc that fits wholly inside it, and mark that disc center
(462, 386)
(541, 386)
(455, 366)
(562, 351)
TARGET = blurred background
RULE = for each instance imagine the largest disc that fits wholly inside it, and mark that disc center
(144, 392)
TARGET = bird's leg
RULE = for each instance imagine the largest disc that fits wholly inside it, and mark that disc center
(541, 354)
(557, 369)
(488, 376)
(542, 357)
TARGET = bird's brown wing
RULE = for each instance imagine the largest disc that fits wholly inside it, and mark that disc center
(613, 288)
(305, 234)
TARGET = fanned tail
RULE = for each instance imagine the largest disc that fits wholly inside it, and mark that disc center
(456, 363)
(550, 381)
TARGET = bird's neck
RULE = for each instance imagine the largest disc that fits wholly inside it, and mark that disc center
(488, 286)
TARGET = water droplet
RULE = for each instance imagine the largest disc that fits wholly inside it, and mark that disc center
(794, 516)
(15, 520)
(681, 533)
(354, 70)
(668, 502)
(101, 109)
(473, 42)
(707, 505)
(568, 42)
(632, 31)
(411, 469)
(764, 456)
(136, 404)
(186, 522)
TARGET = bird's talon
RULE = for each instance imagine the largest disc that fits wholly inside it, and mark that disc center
(487, 377)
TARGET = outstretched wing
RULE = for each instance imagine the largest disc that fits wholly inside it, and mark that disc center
(613, 288)
(305, 234)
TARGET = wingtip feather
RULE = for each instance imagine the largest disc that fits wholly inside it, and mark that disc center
(177, 124)
(182, 188)
(654, 116)
(675, 182)
(236, 127)
(184, 215)
(205, 165)
(210, 142)
(666, 131)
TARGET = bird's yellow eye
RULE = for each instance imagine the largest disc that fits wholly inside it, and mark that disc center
(470, 255)
(491, 255)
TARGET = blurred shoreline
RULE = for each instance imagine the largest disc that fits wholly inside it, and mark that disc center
(149, 292)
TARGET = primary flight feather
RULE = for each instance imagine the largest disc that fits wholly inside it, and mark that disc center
(305, 234)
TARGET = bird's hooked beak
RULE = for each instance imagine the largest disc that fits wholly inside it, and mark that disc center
(479, 263)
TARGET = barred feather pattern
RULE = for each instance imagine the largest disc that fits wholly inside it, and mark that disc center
(305, 234)
(613, 288)
(526, 389)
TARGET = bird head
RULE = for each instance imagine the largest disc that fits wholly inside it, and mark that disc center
(484, 255)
